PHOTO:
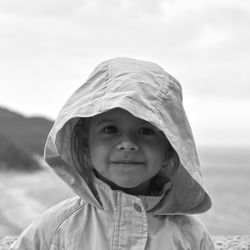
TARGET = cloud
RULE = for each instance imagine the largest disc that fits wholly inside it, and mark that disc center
(177, 24)
(51, 44)
(45, 8)
(219, 121)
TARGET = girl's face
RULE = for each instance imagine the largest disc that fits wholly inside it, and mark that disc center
(126, 151)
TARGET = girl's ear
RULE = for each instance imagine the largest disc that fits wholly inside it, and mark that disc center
(168, 153)
(171, 162)
(166, 159)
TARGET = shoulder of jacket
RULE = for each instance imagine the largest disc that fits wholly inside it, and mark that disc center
(194, 232)
(51, 219)
(187, 221)
(55, 215)
(64, 208)
(39, 234)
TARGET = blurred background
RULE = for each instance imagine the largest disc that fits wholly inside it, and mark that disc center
(49, 47)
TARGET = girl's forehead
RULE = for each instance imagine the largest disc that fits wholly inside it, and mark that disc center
(117, 115)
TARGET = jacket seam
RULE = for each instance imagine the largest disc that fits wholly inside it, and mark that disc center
(63, 219)
(108, 79)
(116, 234)
(184, 235)
(162, 96)
(143, 228)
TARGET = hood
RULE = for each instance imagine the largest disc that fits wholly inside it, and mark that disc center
(148, 92)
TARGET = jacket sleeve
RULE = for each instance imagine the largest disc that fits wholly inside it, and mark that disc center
(206, 242)
(39, 235)
(195, 233)
(33, 237)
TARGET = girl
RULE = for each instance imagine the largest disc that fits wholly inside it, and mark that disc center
(123, 143)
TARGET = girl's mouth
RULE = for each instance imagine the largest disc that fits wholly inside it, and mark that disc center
(127, 162)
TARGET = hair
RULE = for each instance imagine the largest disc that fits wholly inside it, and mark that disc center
(166, 172)
(79, 147)
(81, 158)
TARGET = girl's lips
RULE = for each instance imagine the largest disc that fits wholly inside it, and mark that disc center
(127, 165)
(128, 162)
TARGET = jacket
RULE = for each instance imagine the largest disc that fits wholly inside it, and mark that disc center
(100, 217)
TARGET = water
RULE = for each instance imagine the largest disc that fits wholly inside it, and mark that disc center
(227, 177)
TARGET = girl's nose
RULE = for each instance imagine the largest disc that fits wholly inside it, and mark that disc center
(127, 145)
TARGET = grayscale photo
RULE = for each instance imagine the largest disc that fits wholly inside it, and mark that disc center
(124, 125)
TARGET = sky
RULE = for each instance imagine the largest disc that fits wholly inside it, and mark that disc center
(49, 47)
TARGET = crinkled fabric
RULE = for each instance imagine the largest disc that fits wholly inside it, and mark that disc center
(102, 218)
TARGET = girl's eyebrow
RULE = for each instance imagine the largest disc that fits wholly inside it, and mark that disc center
(104, 121)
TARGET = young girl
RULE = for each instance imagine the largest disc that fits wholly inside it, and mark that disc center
(123, 143)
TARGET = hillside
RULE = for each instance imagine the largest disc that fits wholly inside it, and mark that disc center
(20, 139)
(28, 133)
(15, 158)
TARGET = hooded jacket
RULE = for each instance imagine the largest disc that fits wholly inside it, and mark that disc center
(102, 218)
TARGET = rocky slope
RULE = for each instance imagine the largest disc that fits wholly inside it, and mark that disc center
(20, 139)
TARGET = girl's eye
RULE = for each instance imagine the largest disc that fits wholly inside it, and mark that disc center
(110, 130)
(147, 131)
